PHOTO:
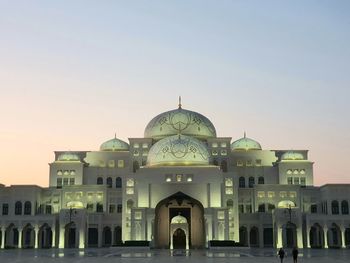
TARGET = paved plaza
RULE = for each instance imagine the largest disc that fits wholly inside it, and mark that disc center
(167, 256)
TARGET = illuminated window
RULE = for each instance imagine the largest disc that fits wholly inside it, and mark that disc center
(65, 181)
(283, 194)
(102, 163)
(302, 181)
(59, 172)
(290, 180)
(249, 163)
(111, 163)
(302, 171)
(223, 152)
(214, 145)
(71, 181)
(296, 171)
(138, 215)
(72, 172)
(168, 179)
(136, 153)
(136, 145)
(258, 162)
(130, 182)
(90, 195)
(66, 172)
(270, 194)
(239, 163)
(144, 153)
(289, 171)
(296, 180)
(223, 144)
(144, 145)
(129, 190)
(261, 194)
(228, 182)
(120, 163)
(78, 195)
(189, 178)
(229, 190)
(99, 195)
(214, 152)
(221, 215)
(178, 177)
(292, 194)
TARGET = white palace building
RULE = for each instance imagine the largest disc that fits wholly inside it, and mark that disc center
(180, 186)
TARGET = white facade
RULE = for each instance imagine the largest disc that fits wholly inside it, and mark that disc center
(179, 186)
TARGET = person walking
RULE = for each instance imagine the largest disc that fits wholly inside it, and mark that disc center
(281, 254)
(295, 253)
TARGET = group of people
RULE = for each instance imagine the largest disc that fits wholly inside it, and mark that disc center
(282, 254)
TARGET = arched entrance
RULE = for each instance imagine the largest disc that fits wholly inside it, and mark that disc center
(243, 236)
(334, 236)
(316, 236)
(178, 230)
(107, 236)
(70, 236)
(188, 208)
(45, 236)
(254, 237)
(118, 235)
(28, 236)
(289, 235)
(11, 236)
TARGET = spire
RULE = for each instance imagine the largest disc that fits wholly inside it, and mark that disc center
(180, 105)
(245, 134)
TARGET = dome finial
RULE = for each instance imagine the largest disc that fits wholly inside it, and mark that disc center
(245, 134)
(180, 105)
(115, 135)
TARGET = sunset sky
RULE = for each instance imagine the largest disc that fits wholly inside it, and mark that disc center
(72, 73)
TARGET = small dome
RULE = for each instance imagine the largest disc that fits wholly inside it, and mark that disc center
(178, 150)
(114, 145)
(68, 156)
(180, 121)
(292, 156)
(179, 220)
(245, 144)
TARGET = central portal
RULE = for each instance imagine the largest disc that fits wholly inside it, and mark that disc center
(179, 223)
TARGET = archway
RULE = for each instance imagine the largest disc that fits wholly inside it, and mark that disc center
(189, 208)
(93, 236)
(243, 236)
(289, 235)
(254, 237)
(45, 236)
(316, 236)
(28, 236)
(70, 236)
(118, 235)
(334, 236)
(179, 239)
(11, 236)
(347, 237)
(107, 236)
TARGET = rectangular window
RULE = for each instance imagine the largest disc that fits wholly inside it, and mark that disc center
(111, 163)
(120, 163)
(223, 145)
(313, 209)
(138, 215)
(119, 208)
(303, 181)
(129, 190)
(59, 182)
(5, 209)
(111, 209)
(258, 162)
(296, 180)
(65, 181)
(290, 180)
(248, 209)
(90, 207)
(271, 194)
(71, 181)
(239, 163)
(229, 190)
(221, 214)
(241, 208)
(48, 209)
(249, 163)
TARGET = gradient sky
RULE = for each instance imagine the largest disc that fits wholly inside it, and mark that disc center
(72, 73)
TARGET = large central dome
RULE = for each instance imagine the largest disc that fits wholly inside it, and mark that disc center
(180, 121)
(178, 150)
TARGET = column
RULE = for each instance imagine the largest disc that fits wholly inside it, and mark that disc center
(279, 240)
(300, 238)
(36, 236)
(325, 232)
(248, 235)
(54, 244)
(81, 236)
(343, 238)
(113, 237)
(3, 233)
(61, 240)
(20, 230)
(100, 236)
(308, 244)
(261, 236)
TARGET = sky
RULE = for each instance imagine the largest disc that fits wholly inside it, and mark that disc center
(73, 73)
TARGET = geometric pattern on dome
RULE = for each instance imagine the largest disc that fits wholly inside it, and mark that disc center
(292, 156)
(246, 144)
(180, 121)
(68, 156)
(114, 145)
(178, 150)
(179, 220)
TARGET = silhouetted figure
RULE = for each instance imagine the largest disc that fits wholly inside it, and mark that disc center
(295, 253)
(281, 254)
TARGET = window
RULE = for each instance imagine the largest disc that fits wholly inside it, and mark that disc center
(136, 153)
(214, 145)
(72, 172)
(59, 182)
(18, 208)
(241, 182)
(144, 145)
(335, 207)
(111, 163)
(48, 209)
(5, 209)
(296, 171)
(129, 190)
(302, 181)
(136, 145)
(120, 163)
(251, 182)
(111, 208)
(90, 207)
(302, 171)
(258, 162)
(261, 208)
(109, 182)
(102, 163)
(215, 162)
(248, 163)
(223, 144)
(270, 194)
(296, 180)
(178, 177)
(138, 215)
(229, 190)
(248, 208)
(289, 171)
(27, 208)
(223, 152)
(99, 180)
(135, 166)
(292, 194)
(283, 194)
(99, 208)
(221, 215)
(241, 208)
(214, 152)
(71, 181)
(118, 182)
(119, 208)
(290, 180)
(65, 181)
(239, 163)
(59, 172)
(344, 207)
(261, 194)
(270, 207)
(228, 182)
(313, 209)
(261, 180)
(223, 166)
